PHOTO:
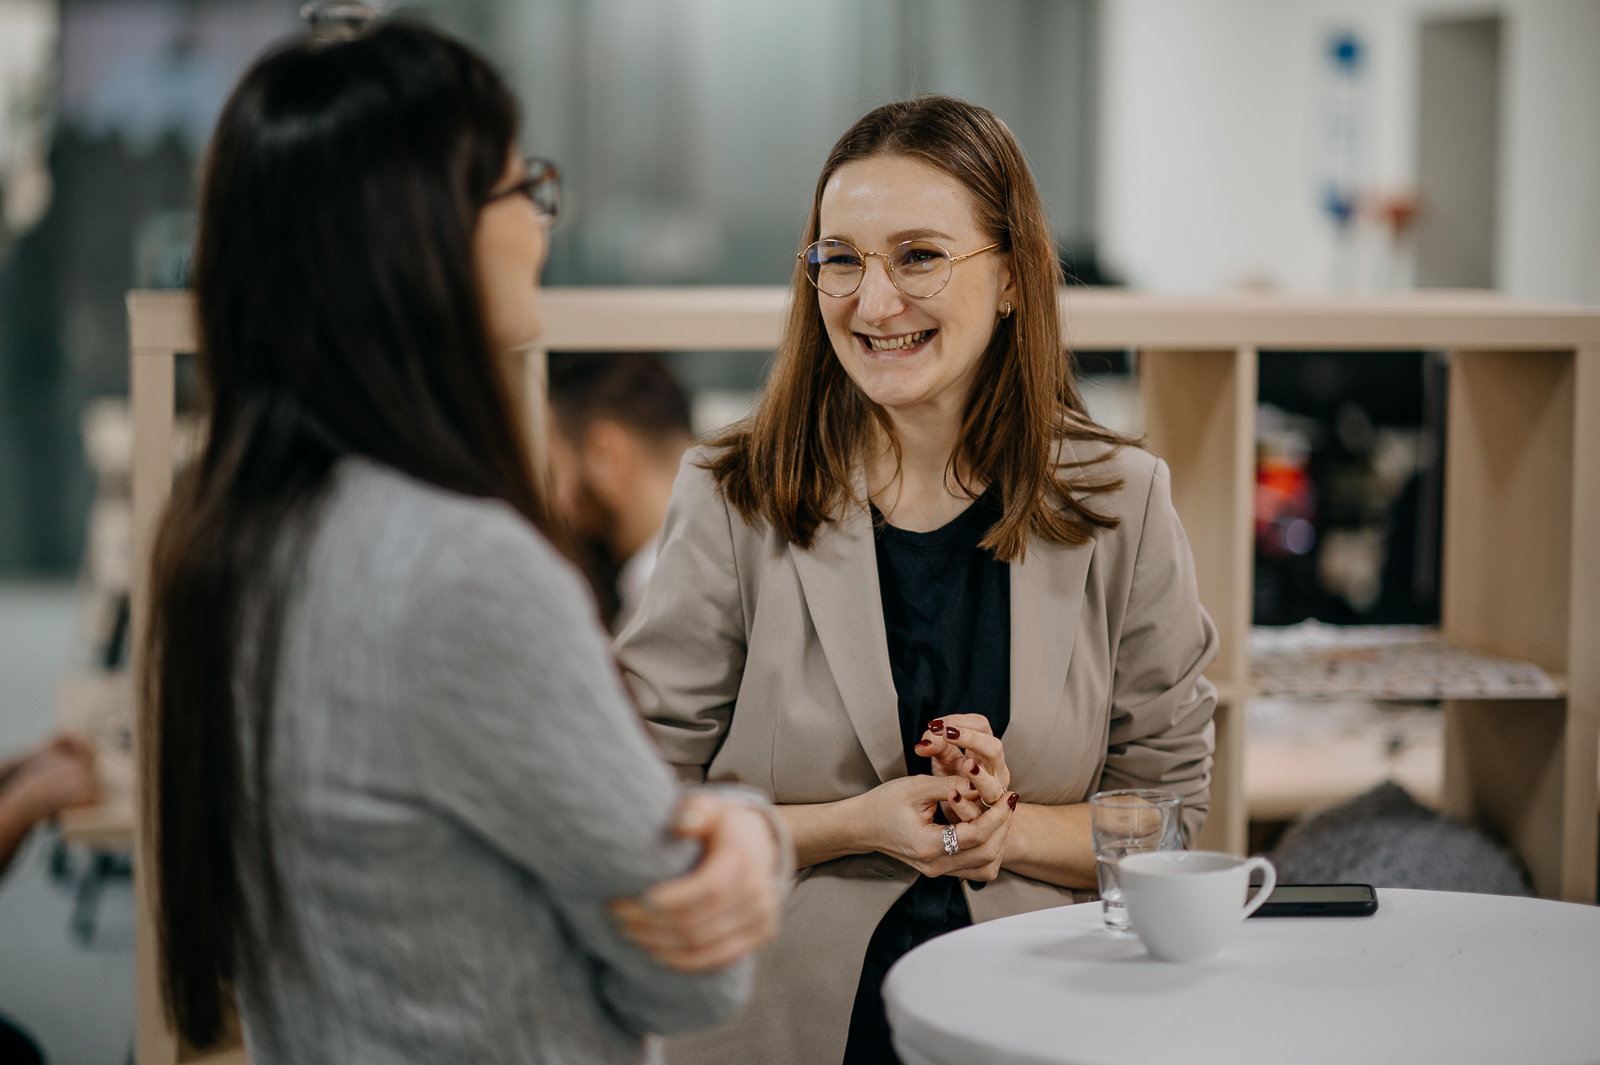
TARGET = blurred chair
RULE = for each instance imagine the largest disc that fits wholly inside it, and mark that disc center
(1384, 838)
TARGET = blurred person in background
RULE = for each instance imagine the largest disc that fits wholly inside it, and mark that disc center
(619, 428)
(35, 787)
(38, 785)
(920, 594)
(404, 808)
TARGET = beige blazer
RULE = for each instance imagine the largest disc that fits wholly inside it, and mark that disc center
(757, 662)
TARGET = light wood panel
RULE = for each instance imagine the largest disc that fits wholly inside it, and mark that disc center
(1104, 318)
(98, 706)
(1504, 770)
(1200, 416)
(1581, 831)
(161, 321)
(662, 319)
(1508, 504)
(533, 376)
(1519, 534)
(751, 317)
(1290, 778)
(159, 326)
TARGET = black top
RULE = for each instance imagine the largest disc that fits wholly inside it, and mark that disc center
(947, 613)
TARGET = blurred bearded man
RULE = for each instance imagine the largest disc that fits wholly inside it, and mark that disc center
(619, 426)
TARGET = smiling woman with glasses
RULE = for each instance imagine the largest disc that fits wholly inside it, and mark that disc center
(919, 595)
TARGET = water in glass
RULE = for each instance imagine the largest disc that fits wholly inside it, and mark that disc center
(1125, 822)
(1116, 915)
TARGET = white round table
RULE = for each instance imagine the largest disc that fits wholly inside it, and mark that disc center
(1432, 977)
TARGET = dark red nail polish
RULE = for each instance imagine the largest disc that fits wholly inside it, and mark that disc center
(974, 769)
(935, 725)
(953, 733)
(1012, 801)
(924, 743)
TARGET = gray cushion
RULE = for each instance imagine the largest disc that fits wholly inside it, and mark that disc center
(1384, 838)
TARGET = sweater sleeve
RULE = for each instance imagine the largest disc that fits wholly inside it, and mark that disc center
(522, 733)
(1161, 731)
(684, 652)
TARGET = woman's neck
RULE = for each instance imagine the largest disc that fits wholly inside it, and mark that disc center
(919, 494)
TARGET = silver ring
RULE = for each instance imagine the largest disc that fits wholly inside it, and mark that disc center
(950, 844)
(987, 805)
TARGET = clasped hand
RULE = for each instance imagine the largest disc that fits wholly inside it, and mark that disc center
(970, 783)
(725, 907)
(964, 747)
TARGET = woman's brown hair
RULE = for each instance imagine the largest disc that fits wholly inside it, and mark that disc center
(791, 462)
(338, 316)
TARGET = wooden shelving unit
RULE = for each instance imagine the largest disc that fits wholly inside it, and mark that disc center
(1522, 506)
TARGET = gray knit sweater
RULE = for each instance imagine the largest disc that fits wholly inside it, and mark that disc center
(458, 786)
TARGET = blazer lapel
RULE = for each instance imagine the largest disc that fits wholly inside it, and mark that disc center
(1047, 592)
(839, 577)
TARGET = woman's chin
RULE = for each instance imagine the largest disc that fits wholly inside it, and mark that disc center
(894, 378)
(899, 395)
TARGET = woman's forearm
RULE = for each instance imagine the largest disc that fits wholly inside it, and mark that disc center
(17, 818)
(1052, 843)
(826, 830)
(1049, 843)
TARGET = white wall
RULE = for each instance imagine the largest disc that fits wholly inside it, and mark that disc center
(1211, 148)
(1550, 156)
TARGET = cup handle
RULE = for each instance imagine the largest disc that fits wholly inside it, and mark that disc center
(1267, 885)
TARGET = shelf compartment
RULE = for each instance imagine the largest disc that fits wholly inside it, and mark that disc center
(1313, 660)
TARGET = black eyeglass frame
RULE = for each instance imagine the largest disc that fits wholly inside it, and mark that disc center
(542, 187)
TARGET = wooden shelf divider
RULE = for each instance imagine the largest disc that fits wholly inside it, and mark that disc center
(1522, 508)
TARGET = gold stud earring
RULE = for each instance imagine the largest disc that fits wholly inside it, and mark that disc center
(1007, 312)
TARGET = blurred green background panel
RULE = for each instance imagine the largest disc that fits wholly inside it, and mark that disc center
(689, 132)
(692, 131)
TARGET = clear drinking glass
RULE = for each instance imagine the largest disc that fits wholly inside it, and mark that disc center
(1127, 822)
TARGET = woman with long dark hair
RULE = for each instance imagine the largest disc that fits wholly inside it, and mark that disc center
(919, 596)
(398, 783)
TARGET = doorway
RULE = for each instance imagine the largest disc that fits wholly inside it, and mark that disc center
(1458, 152)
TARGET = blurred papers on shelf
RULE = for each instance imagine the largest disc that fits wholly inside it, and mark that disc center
(1385, 662)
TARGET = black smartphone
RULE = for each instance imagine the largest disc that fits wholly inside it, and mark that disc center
(1319, 900)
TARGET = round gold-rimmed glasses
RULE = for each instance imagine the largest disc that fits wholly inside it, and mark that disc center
(919, 268)
(542, 185)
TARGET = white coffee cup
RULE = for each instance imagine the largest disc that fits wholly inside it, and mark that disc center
(1183, 904)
